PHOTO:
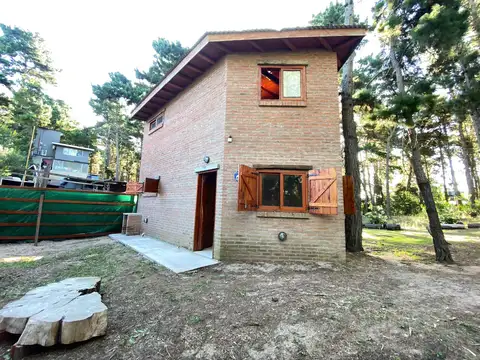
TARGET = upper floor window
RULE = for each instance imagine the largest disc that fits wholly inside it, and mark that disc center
(72, 152)
(157, 122)
(282, 83)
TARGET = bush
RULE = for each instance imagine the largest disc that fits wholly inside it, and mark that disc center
(405, 203)
(449, 213)
(376, 216)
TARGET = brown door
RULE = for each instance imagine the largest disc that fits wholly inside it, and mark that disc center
(205, 212)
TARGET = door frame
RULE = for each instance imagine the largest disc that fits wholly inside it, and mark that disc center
(198, 223)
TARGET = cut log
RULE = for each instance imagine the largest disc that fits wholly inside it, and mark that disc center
(85, 318)
(374, 226)
(64, 312)
(453, 226)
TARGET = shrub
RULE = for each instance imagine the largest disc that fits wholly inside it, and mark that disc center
(376, 216)
(405, 203)
(449, 213)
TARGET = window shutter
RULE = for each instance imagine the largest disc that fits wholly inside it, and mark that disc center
(247, 189)
(322, 186)
(151, 185)
(348, 195)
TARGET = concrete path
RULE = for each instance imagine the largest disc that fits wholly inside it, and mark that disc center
(175, 258)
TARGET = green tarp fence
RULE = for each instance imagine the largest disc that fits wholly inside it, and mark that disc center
(65, 213)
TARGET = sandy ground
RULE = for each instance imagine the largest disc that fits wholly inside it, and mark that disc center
(367, 308)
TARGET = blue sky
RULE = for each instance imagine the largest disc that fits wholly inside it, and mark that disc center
(88, 39)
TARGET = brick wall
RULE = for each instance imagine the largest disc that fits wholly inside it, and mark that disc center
(193, 127)
(224, 102)
(285, 136)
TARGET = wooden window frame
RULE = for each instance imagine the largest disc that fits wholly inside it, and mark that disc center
(282, 68)
(283, 208)
(155, 120)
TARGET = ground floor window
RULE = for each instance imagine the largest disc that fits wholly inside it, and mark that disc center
(282, 190)
(274, 189)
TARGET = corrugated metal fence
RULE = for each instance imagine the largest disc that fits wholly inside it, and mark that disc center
(27, 213)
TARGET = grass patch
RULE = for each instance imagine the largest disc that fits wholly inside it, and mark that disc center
(402, 245)
(105, 261)
(417, 245)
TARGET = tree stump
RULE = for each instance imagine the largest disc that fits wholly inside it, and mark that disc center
(59, 313)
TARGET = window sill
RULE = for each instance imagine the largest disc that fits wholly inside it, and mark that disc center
(283, 215)
(283, 103)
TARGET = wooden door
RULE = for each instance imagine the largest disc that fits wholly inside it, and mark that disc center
(205, 211)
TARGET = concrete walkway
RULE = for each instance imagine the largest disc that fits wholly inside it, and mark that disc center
(175, 258)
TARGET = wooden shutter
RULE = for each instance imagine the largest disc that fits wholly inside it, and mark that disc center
(322, 186)
(247, 189)
(151, 185)
(348, 195)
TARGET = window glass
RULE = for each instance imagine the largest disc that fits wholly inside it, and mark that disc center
(72, 152)
(70, 167)
(270, 189)
(270, 83)
(153, 125)
(292, 83)
(160, 120)
(292, 190)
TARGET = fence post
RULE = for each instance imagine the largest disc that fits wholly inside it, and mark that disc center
(39, 217)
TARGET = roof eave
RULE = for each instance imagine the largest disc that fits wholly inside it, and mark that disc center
(145, 109)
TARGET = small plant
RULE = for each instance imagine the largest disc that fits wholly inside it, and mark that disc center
(194, 319)
(137, 334)
(376, 216)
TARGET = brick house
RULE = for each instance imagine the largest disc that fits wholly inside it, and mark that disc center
(242, 146)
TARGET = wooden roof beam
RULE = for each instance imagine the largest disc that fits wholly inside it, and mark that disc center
(168, 92)
(206, 58)
(289, 44)
(185, 77)
(194, 68)
(345, 44)
(175, 86)
(222, 47)
(158, 103)
(256, 46)
(324, 43)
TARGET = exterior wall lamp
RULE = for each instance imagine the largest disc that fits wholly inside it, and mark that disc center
(230, 139)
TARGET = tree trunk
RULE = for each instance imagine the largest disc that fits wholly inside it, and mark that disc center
(476, 179)
(353, 223)
(442, 252)
(365, 190)
(377, 186)
(107, 152)
(372, 195)
(117, 154)
(450, 162)
(474, 110)
(444, 175)
(467, 164)
(409, 179)
(387, 171)
(475, 17)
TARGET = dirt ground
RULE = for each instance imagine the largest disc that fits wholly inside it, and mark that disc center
(367, 308)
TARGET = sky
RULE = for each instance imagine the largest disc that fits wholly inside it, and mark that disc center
(88, 39)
